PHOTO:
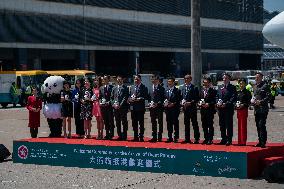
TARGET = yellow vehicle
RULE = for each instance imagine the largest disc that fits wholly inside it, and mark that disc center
(72, 75)
(26, 79)
(32, 77)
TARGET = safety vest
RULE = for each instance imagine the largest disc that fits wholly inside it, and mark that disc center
(28, 90)
(13, 90)
(249, 88)
(273, 90)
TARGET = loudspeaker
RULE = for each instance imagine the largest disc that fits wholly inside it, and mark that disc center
(4, 153)
(274, 173)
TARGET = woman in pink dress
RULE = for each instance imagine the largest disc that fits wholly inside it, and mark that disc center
(96, 107)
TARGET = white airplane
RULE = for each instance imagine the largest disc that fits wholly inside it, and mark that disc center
(273, 31)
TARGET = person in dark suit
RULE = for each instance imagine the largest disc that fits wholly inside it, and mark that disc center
(157, 97)
(260, 101)
(119, 97)
(139, 93)
(172, 109)
(207, 110)
(106, 107)
(225, 105)
(190, 96)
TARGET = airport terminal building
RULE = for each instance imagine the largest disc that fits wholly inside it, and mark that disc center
(124, 36)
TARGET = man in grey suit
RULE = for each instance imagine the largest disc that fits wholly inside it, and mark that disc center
(260, 101)
(119, 97)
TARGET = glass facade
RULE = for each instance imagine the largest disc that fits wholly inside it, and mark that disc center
(237, 10)
(51, 29)
(48, 29)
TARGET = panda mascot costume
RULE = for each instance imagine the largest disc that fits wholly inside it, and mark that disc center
(52, 88)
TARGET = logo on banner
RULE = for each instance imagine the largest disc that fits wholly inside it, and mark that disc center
(23, 152)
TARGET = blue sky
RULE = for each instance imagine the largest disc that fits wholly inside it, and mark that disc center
(273, 5)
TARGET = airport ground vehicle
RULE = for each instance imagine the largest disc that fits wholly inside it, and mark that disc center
(26, 79)
(72, 75)
(6, 80)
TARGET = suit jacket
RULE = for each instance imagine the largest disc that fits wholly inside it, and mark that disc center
(209, 97)
(244, 96)
(121, 95)
(173, 97)
(228, 95)
(140, 93)
(190, 93)
(157, 95)
(263, 94)
(105, 92)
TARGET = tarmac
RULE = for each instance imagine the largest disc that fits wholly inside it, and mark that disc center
(13, 126)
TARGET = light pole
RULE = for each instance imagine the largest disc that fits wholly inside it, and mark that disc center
(196, 62)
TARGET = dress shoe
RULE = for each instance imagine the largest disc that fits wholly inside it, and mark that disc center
(169, 140)
(176, 141)
(141, 139)
(257, 145)
(196, 142)
(222, 142)
(186, 142)
(119, 139)
(209, 142)
(153, 140)
(135, 140)
(159, 139)
(241, 144)
(260, 145)
(205, 142)
(228, 143)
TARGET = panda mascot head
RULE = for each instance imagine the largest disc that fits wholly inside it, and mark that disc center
(52, 87)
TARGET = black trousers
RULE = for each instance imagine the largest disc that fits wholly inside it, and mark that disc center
(138, 117)
(260, 120)
(55, 126)
(172, 115)
(107, 113)
(191, 115)
(157, 114)
(79, 123)
(121, 118)
(207, 117)
(226, 123)
(34, 132)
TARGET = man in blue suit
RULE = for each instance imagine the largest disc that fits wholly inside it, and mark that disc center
(138, 95)
(226, 103)
(106, 107)
(157, 97)
(190, 96)
(172, 109)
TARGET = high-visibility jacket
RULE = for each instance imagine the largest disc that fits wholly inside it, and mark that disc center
(249, 88)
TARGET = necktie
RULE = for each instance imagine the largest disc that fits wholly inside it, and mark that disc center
(136, 89)
(119, 90)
